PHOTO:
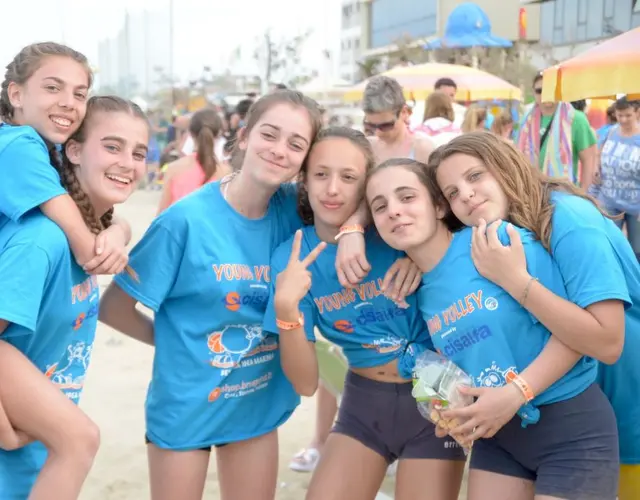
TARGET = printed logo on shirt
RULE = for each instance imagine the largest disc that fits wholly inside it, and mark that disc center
(234, 300)
(459, 309)
(343, 325)
(453, 342)
(347, 296)
(239, 390)
(69, 375)
(82, 317)
(238, 345)
(241, 272)
(495, 376)
(386, 345)
(370, 314)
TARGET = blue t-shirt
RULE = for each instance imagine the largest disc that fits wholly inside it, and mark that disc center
(597, 263)
(484, 330)
(28, 178)
(620, 172)
(369, 327)
(52, 307)
(204, 269)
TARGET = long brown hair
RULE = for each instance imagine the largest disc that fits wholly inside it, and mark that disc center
(501, 122)
(474, 116)
(27, 62)
(95, 106)
(355, 137)
(205, 126)
(528, 190)
(438, 105)
(264, 104)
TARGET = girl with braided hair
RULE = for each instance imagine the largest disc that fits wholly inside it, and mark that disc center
(43, 101)
(49, 309)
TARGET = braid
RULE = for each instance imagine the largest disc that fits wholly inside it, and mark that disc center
(72, 185)
(6, 109)
(107, 218)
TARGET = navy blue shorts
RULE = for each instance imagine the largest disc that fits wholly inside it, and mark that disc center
(205, 448)
(385, 418)
(571, 453)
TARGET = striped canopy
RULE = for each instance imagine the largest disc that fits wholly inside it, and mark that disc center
(604, 71)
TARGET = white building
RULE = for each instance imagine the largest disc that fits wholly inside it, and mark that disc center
(134, 60)
(354, 36)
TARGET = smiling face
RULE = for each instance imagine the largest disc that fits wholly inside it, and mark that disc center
(53, 99)
(334, 182)
(471, 189)
(276, 146)
(403, 210)
(111, 159)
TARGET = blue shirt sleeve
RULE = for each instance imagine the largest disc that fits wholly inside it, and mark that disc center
(590, 268)
(28, 178)
(307, 308)
(23, 275)
(156, 259)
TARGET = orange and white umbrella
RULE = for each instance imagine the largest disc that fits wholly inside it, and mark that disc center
(604, 71)
(418, 81)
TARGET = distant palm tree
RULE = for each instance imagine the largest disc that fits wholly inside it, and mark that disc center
(369, 67)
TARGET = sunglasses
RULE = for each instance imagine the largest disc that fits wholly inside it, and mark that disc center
(382, 127)
(538, 91)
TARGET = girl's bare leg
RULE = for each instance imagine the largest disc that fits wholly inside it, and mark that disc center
(38, 408)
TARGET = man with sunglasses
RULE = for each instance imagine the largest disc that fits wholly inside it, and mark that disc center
(386, 121)
(559, 139)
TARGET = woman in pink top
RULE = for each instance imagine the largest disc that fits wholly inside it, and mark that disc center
(190, 172)
(438, 121)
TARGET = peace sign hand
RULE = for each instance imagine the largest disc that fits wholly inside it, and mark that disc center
(293, 283)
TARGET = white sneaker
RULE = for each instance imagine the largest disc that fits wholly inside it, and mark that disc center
(305, 460)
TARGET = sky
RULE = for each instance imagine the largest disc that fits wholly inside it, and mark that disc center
(219, 27)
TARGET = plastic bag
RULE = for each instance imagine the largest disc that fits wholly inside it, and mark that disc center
(435, 383)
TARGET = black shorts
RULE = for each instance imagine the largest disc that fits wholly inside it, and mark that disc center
(385, 418)
(572, 452)
(205, 448)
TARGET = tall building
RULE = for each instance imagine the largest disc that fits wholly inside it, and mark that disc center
(355, 23)
(570, 26)
(136, 60)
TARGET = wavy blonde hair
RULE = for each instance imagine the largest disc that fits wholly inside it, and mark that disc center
(528, 190)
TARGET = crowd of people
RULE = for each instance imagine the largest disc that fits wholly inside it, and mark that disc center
(502, 252)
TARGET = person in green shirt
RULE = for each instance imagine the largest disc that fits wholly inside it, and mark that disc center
(559, 139)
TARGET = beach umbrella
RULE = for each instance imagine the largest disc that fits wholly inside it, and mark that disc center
(604, 71)
(418, 81)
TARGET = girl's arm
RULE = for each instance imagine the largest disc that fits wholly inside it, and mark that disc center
(297, 353)
(290, 297)
(596, 331)
(118, 310)
(65, 213)
(101, 254)
(41, 411)
(495, 406)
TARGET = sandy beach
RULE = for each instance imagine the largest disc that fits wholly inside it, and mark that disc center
(114, 397)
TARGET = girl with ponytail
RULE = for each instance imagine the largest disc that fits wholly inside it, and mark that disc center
(192, 171)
